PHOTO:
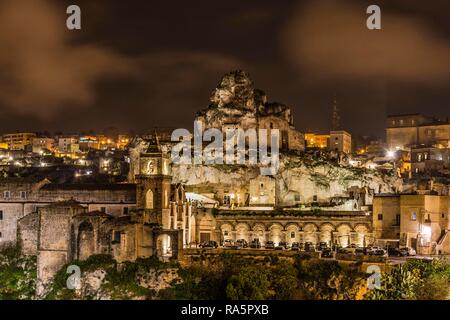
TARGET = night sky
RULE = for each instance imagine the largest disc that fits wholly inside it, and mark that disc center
(140, 64)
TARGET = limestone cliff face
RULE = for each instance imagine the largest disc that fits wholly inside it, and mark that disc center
(298, 180)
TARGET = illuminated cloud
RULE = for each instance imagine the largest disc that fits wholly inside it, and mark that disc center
(42, 68)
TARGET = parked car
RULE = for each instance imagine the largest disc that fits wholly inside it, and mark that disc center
(295, 246)
(327, 253)
(322, 246)
(228, 243)
(380, 252)
(409, 251)
(242, 243)
(270, 245)
(209, 244)
(255, 244)
(371, 250)
(396, 252)
(350, 250)
(309, 247)
(283, 244)
(341, 250)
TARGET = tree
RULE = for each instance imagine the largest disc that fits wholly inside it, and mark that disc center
(283, 279)
(398, 284)
(251, 283)
(327, 280)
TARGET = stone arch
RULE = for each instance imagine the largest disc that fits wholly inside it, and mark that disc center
(343, 234)
(276, 233)
(168, 243)
(227, 231)
(291, 224)
(309, 232)
(326, 233)
(149, 199)
(292, 233)
(259, 232)
(164, 246)
(242, 231)
(361, 232)
(85, 241)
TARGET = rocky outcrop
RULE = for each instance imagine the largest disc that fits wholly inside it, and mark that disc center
(296, 176)
(235, 101)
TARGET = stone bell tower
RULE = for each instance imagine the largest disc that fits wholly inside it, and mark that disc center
(154, 184)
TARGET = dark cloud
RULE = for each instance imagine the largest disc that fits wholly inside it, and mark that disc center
(329, 38)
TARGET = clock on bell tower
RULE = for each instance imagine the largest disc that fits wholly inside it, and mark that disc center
(154, 182)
